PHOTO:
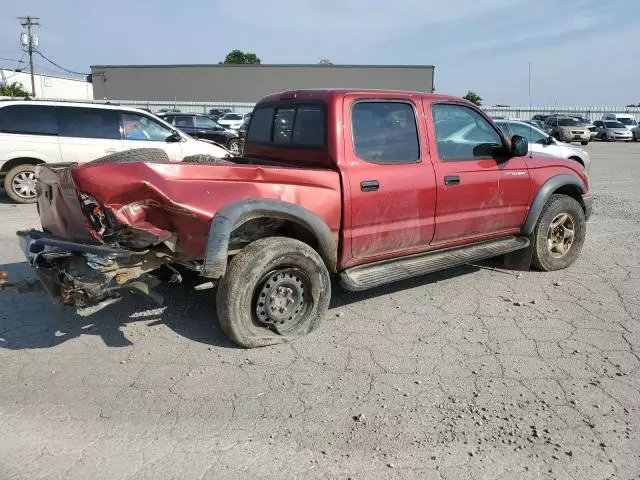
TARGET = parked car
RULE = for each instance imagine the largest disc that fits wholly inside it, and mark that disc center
(541, 142)
(216, 113)
(567, 129)
(627, 119)
(536, 123)
(36, 132)
(458, 190)
(168, 110)
(636, 134)
(540, 118)
(232, 120)
(612, 131)
(586, 123)
(203, 127)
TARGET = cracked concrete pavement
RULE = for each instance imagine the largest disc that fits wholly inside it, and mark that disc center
(468, 374)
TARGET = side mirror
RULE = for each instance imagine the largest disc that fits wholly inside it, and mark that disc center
(174, 137)
(519, 146)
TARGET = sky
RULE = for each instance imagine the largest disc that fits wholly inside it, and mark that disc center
(580, 52)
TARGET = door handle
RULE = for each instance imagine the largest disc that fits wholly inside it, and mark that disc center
(369, 185)
(452, 180)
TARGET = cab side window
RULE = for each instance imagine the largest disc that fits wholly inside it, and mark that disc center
(385, 132)
(462, 133)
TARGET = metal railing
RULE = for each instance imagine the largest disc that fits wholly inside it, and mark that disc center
(522, 113)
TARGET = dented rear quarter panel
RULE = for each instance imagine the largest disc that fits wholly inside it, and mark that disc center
(182, 198)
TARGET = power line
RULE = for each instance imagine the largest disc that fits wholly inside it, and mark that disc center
(56, 65)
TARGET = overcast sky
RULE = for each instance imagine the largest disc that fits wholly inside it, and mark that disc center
(582, 52)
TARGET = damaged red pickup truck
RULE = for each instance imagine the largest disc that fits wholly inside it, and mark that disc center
(369, 186)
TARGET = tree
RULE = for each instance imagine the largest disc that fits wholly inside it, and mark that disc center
(238, 57)
(473, 97)
(14, 89)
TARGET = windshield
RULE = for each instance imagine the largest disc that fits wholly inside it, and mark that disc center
(614, 125)
(568, 122)
(628, 121)
(232, 116)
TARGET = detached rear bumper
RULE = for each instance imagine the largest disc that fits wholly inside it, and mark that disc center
(86, 275)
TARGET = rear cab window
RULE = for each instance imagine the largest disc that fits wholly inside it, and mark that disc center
(295, 125)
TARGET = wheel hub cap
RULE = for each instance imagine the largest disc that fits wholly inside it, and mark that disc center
(561, 235)
(24, 184)
(281, 299)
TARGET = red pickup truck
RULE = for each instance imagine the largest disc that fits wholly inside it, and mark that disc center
(368, 186)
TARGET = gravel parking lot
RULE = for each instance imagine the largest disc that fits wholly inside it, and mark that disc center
(472, 373)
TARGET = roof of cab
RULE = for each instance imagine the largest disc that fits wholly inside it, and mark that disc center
(328, 94)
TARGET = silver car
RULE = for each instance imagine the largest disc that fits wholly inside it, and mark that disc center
(612, 131)
(541, 142)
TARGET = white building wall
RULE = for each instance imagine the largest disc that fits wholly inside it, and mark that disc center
(50, 87)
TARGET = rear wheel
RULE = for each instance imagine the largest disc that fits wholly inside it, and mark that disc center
(234, 146)
(20, 184)
(559, 234)
(275, 290)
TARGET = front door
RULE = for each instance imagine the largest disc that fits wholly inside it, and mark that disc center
(87, 133)
(478, 195)
(391, 184)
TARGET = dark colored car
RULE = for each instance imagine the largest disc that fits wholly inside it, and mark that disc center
(368, 186)
(540, 117)
(203, 127)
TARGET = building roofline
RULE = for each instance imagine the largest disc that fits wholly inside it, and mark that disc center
(26, 72)
(279, 65)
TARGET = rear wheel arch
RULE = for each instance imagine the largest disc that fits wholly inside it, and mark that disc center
(14, 162)
(563, 184)
(243, 222)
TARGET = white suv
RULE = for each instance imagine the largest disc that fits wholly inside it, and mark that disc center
(34, 132)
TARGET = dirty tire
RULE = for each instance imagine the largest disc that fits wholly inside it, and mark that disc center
(543, 259)
(10, 184)
(248, 274)
(584, 142)
(206, 159)
(148, 155)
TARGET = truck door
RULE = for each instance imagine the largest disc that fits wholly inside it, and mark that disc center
(478, 195)
(390, 176)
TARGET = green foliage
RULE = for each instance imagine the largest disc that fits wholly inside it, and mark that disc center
(238, 57)
(473, 97)
(14, 89)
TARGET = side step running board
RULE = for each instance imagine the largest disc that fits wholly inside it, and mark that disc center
(375, 274)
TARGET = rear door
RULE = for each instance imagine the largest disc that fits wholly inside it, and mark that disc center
(208, 129)
(141, 131)
(390, 177)
(478, 195)
(88, 133)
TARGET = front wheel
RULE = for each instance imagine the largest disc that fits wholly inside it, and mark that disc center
(20, 184)
(585, 142)
(559, 234)
(275, 290)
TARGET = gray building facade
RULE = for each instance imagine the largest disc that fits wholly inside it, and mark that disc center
(247, 83)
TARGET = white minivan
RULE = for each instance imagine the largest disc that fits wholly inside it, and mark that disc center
(34, 132)
(627, 119)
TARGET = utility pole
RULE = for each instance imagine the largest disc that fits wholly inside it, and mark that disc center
(31, 41)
